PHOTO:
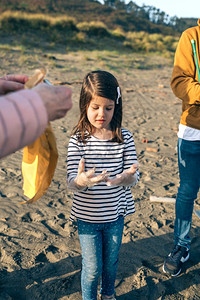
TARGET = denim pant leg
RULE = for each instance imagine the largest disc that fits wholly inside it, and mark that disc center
(112, 237)
(189, 172)
(90, 236)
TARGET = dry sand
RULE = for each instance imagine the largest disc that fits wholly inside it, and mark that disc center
(40, 255)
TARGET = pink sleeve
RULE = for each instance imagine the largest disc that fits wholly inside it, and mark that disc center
(23, 118)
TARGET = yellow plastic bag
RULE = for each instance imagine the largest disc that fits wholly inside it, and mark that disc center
(38, 165)
(40, 158)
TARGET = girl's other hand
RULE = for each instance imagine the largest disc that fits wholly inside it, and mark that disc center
(126, 178)
(87, 179)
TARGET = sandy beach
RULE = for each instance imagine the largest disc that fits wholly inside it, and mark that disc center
(40, 255)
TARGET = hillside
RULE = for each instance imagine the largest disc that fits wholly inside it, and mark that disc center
(84, 10)
(87, 25)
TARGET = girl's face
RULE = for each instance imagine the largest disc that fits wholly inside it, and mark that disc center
(100, 112)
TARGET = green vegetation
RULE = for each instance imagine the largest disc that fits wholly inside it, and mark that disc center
(89, 25)
(29, 30)
(114, 13)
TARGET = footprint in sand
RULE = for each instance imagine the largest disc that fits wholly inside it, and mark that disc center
(41, 258)
(167, 186)
(30, 217)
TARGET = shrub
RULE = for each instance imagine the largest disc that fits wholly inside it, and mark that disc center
(94, 29)
(119, 34)
(64, 23)
(18, 21)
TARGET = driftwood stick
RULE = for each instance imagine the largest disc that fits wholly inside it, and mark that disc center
(162, 199)
(66, 82)
(169, 200)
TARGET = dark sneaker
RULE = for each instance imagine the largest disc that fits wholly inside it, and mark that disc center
(175, 260)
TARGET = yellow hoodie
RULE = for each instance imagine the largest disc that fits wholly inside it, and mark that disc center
(185, 82)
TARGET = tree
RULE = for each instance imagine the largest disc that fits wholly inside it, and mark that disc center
(116, 4)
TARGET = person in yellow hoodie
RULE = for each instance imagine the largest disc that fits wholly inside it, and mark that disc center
(185, 85)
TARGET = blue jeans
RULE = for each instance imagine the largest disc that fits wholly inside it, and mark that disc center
(100, 244)
(189, 173)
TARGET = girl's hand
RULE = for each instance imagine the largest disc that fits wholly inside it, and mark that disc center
(126, 178)
(87, 179)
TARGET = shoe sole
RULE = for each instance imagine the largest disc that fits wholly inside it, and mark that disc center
(179, 271)
(174, 275)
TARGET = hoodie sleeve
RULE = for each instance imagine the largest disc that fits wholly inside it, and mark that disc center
(23, 118)
(185, 83)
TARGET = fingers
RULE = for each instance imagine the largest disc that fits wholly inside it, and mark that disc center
(9, 86)
(115, 181)
(11, 83)
(90, 173)
(15, 78)
(81, 167)
(87, 179)
(92, 180)
(132, 169)
(125, 178)
(101, 177)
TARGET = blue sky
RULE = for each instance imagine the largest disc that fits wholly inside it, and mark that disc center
(179, 8)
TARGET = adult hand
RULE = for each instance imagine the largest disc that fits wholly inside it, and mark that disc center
(126, 178)
(87, 179)
(11, 83)
(57, 99)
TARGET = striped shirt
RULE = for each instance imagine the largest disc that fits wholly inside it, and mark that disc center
(23, 118)
(102, 203)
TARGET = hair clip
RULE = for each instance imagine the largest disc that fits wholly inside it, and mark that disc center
(118, 95)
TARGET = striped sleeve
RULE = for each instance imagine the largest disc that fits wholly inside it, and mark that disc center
(23, 118)
(73, 158)
(130, 156)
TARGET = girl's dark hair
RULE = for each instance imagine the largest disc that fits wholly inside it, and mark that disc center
(102, 84)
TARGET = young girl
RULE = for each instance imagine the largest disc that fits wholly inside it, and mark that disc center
(102, 166)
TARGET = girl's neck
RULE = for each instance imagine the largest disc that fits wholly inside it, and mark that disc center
(103, 134)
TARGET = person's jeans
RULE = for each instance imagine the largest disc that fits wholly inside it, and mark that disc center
(189, 173)
(100, 244)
